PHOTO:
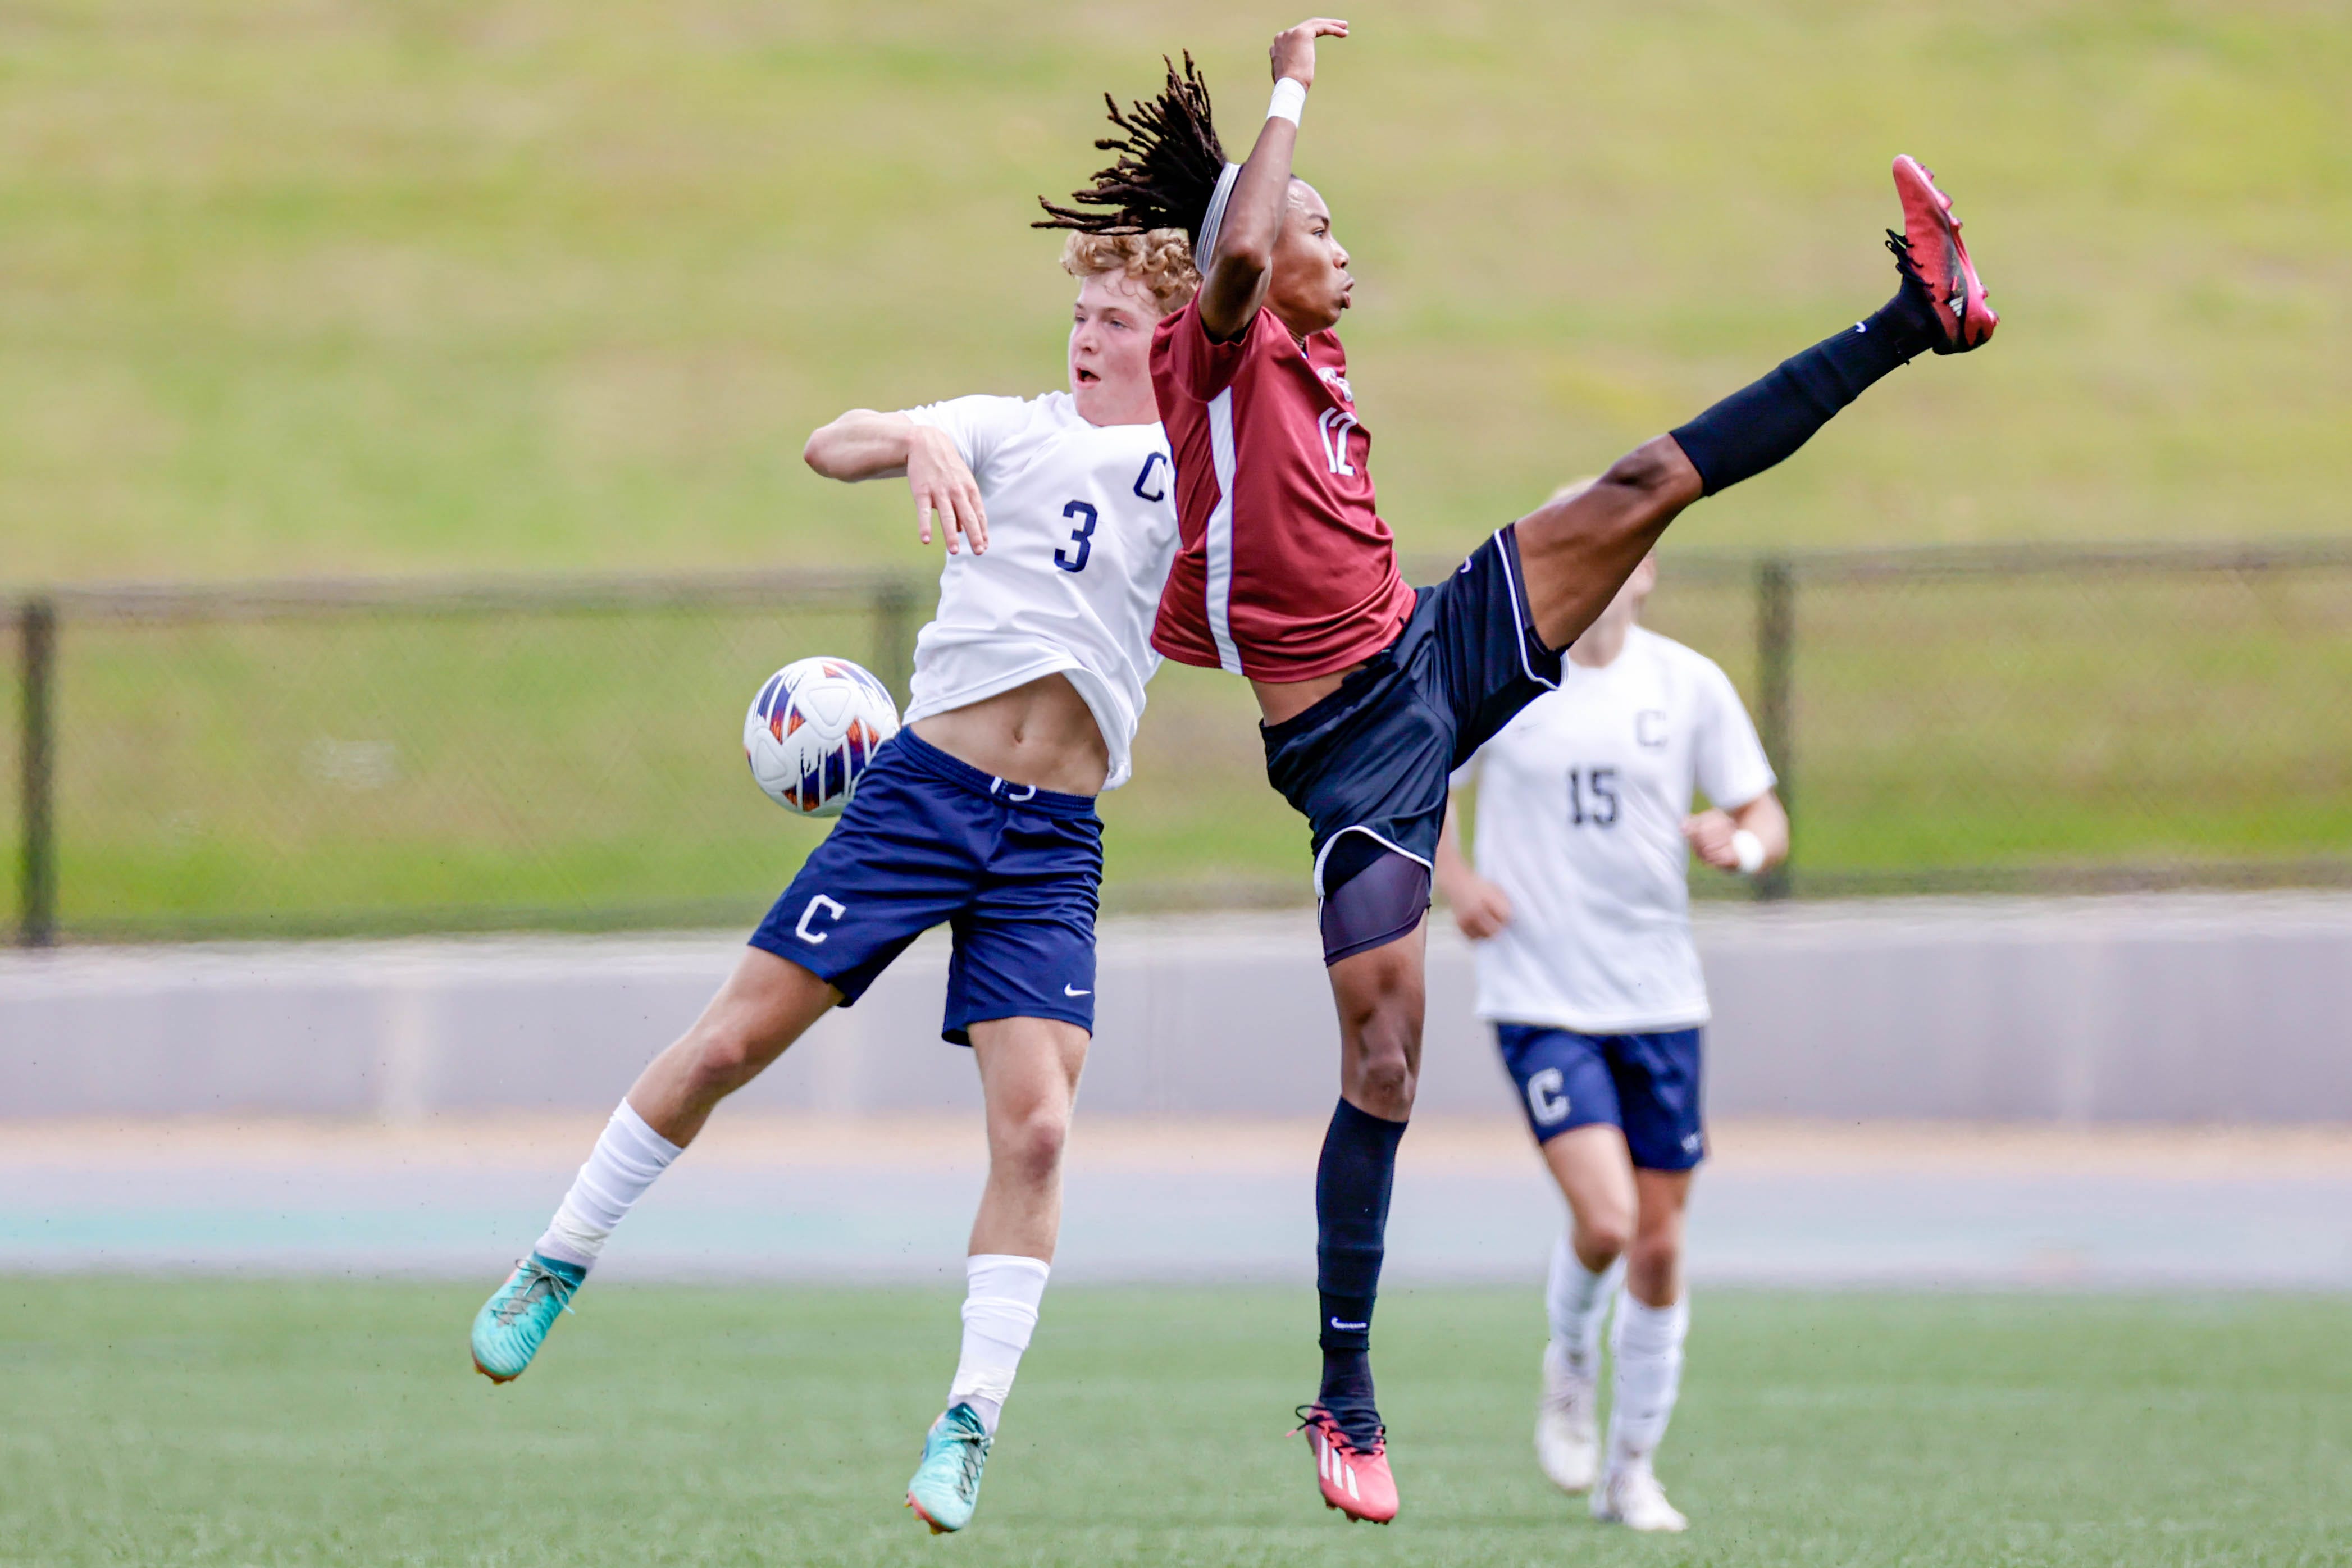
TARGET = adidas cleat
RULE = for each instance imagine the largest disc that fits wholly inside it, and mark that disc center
(1930, 251)
(1632, 1496)
(1354, 1480)
(1568, 1444)
(514, 1323)
(946, 1487)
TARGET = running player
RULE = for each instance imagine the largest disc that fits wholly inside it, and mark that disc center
(1059, 522)
(1580, 909)
(1373, 692)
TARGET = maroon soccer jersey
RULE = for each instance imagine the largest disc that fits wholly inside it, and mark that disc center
(1285, 569)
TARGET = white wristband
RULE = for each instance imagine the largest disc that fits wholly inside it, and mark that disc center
(1289, 97)
(1748, 850)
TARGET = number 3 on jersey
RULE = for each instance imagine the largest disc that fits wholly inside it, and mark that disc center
(1083, 536)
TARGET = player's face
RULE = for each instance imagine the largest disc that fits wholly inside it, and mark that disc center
(1310, 283)
(1111, 351)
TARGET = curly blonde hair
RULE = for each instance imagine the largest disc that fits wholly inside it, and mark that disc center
(1160, 259)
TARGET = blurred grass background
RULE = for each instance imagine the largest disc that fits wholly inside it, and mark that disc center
(578, 765)
(333, 287)
(301, 286)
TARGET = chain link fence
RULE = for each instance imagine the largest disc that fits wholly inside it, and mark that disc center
(310, 759)
(2043, 720)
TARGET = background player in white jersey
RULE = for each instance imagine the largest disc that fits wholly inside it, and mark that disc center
(1059, 527)
(1581, 908)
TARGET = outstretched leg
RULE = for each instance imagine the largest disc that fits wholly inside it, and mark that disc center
(765, 1004)
(1578, 552)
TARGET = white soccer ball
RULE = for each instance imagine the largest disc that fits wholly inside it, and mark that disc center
(812, 729)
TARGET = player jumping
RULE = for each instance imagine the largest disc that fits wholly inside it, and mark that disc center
(1581, 908)
(1027, 686)
(1373, 692)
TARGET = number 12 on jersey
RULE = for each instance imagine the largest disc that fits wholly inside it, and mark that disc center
(1083, 536)
(1601, 784)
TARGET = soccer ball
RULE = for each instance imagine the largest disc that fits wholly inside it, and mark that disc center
(812, 729)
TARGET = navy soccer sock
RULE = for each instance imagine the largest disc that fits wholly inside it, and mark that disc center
(1351, 1216)
(1767, 420)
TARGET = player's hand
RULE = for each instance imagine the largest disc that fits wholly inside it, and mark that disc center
(942, 482)
(1480, 907)
(1294, 51)
(1709, 832)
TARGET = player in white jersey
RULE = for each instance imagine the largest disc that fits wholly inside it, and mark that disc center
(1060, 527)
(1580, 905)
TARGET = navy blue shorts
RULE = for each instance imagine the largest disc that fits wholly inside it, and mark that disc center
(1015, 872)
(1646, 1084)
(1375, 755)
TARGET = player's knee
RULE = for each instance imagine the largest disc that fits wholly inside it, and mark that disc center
(1384, 1081)
(1652, 1261)
(725, 1056)
(1639, 471)
(1031, 1140)
(1384, 1038)
(1656, 471)
(1606, 1234)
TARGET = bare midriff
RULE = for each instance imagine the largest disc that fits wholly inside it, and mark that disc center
(1042, 735)
(1281, 700)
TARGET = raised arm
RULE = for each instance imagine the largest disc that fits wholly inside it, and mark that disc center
(862, 445)
(1235, 276)
(865, 444)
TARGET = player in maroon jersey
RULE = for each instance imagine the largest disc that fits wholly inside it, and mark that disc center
(1373, 692)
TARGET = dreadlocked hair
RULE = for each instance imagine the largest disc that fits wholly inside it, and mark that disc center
(1168, 165)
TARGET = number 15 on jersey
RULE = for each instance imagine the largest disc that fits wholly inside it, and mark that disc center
(1592, 797)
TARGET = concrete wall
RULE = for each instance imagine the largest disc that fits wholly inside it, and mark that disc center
(2183, 1007)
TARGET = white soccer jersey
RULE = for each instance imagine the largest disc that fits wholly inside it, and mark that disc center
(1580, 812)
(1081, 529)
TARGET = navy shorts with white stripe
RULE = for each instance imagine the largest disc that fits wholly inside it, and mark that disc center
(1374, 757)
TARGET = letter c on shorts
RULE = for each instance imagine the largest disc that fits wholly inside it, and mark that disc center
(816, 938)
(1545, 1099)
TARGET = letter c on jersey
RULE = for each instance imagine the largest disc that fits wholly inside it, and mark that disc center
(834, 912)
(1544, 1096)
(1156, 460)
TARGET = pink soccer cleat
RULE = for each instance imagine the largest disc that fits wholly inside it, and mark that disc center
(1355, 1481)
(1931, 251)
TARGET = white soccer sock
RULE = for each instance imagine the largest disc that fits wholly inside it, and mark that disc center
(627, 1157)
(1649, 1375)
(1000, 1312)
(1576, 1299)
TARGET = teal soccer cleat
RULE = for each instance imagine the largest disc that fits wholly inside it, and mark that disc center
(514, 1323)
(946, 1487)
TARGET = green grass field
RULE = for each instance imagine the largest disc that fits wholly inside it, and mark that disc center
(298, 1423)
